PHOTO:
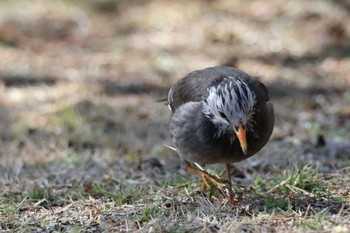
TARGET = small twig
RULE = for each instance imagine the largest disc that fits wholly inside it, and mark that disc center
(307, 211)
(294, 189)
(339, 213)
(63, 209)
(20, 204)
(278, 185)
(281, 218)
(40, 202)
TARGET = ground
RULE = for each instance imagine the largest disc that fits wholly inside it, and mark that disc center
(83, 137)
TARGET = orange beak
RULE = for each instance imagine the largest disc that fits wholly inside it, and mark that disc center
(241, 135)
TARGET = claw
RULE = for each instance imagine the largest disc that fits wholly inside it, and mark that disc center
(207, 179)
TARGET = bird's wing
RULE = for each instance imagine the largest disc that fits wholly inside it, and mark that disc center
(192, 87)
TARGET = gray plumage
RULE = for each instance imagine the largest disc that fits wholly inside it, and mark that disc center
(207, 101)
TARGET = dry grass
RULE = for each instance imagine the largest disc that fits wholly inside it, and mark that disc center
(81, 136)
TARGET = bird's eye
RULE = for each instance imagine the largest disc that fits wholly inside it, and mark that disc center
(223, 115)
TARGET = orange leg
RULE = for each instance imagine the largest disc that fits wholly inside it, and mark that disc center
(206, 178)
(230, 193)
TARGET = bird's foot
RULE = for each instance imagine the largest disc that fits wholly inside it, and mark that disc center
(207, 179)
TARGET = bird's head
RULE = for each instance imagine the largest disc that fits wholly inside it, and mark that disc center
(229, 105)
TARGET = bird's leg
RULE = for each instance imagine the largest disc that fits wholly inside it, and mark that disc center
(230, 193)
(206, 178)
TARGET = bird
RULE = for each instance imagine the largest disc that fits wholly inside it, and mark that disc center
(219, 115)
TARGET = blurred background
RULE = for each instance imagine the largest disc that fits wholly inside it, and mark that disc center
(79, 80)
